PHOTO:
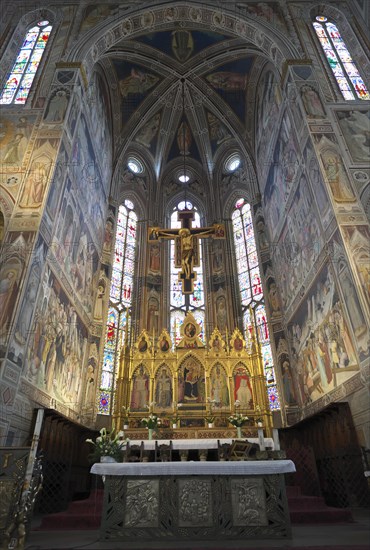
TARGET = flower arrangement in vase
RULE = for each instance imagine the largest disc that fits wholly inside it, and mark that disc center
(258, 419)
(174, 419)
(238, 419)
(108, 444)
(210, 417)
(126, 417)
(152, 422)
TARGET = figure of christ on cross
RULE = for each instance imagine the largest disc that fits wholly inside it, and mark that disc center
(187, 245)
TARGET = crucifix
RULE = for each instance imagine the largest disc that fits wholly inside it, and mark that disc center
(187, 245)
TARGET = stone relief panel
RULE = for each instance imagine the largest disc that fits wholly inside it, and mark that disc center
(195, 502)
(248, 501)
(142, 503)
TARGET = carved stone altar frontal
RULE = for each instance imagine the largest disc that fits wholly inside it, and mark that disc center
(142, 500)
(194, 507)
(195, 503)
(248, 501)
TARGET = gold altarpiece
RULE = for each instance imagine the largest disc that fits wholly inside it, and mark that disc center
(189, 384)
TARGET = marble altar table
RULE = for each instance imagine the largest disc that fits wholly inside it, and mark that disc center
(197, 500)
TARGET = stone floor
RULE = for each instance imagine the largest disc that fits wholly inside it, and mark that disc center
(349, 536)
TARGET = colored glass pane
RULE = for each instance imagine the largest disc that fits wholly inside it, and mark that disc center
(341, 63)
(120, 299)
(251, 291)
(273, 398)
(104, 400)
(21, 76)
(106, 380)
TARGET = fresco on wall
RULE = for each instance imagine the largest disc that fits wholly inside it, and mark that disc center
(95, 14)
(90, 373)
(57, 106)
(282, 174)
(357, 239)
(56, 351)
(56, 188)
(230, 82)
(355, 127)
(269, 12)
(100, 131)
(38, 174)
(311, 101)
(318, 185)
(180, 43)
(268, 101)
(15, 133)
(323, 354)
(74, 250)
(299, 244)
(134, 84)
(15, 253)
(334, 168)
(349, 291)
(89, 190)
(146, 134)
(27, 307)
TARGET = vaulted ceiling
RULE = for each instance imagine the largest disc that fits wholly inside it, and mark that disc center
(182, 95)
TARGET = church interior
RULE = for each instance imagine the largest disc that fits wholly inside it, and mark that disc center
(184, 225)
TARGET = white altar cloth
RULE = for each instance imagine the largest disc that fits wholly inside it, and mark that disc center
(188, 444)
(231, 468)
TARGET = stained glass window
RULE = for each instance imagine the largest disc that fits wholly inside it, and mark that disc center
(251, 292)
(344, 69)
(181, 303)
(120, 298)
(20, 78)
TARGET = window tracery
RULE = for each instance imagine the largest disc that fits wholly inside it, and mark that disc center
(24, 69)
(251, 292)
(120, 300)
(344, 69)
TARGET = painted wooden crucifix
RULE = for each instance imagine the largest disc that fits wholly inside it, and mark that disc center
(187, 245)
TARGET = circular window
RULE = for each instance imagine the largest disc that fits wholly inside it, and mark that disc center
(129, 204)
(232, 163)
(321, 18)
(135, 165)
(43, 23)
(183, 175)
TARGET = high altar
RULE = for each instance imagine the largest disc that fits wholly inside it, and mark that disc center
(191, 386)
(193, 493)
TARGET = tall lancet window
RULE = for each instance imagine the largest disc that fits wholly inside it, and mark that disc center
(344, 69)
(120, 299)
(22, 74)
(181, 303)
(251, 292)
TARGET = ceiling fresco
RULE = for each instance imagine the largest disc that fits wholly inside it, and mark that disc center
(182, 93)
